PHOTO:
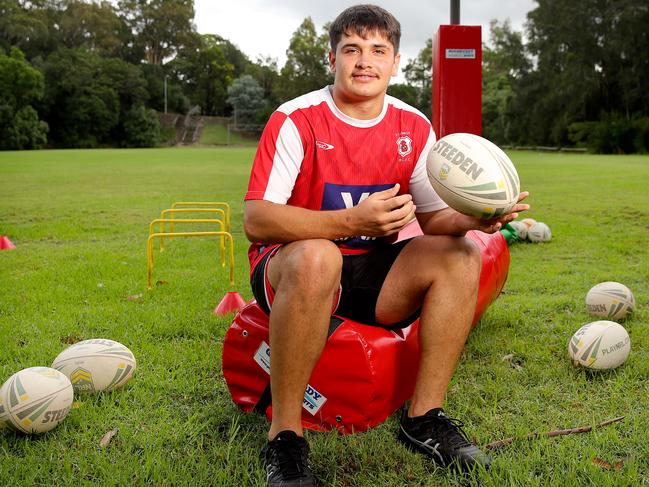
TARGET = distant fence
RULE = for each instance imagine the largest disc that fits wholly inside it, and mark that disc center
(182, 129)
(540, 148)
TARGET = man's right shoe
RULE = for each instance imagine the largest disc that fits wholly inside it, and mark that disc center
(442, 439)
(287, 458)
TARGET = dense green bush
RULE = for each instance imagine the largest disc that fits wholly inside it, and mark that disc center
(641, 136)
(21, 86)
(613, 134)
(141, 127)
(26, 131)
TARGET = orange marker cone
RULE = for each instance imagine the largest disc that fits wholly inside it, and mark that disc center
(231, 303)
(6, 244)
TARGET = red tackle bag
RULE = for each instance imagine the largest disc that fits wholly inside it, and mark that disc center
(364, 374)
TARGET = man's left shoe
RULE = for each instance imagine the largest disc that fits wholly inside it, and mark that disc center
(287, 461)
(442, 439)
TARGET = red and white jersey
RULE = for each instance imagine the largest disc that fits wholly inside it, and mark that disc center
(313, 156)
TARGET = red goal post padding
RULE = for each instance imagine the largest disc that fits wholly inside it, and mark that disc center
(364, 374)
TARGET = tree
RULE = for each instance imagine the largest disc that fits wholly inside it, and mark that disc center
(161, 27)
(26, 132)
(247, 98)
(206, 74)
(127, 81)
(265, 71)
(96, 27)
(405, 92)
(177, 101)
(26, 25)
(40, 27)
(138, 126)
(20, 86)
(307, 67)
(141, 127)
(81, 109)
(593, 72)
(565, 85)
(88, 98)
(504, 64)
(419, 73)
(233, 54)
(624, 66)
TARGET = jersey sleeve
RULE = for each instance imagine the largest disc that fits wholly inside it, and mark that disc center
(277, 161)
(423, 194)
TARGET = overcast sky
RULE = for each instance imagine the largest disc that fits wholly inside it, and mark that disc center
(264, 27)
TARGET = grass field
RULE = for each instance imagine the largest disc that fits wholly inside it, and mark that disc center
(80, 222)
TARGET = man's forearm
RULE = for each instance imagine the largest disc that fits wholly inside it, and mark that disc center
(442, 222)
(273, 223)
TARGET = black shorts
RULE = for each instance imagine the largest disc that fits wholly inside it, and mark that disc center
(360, 284)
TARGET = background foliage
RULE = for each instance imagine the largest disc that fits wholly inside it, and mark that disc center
(584, 62)
(575, 76)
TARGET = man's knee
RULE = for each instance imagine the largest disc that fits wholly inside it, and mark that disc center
(463, 259)
(470, 254)
(454, 255)
(309, 263)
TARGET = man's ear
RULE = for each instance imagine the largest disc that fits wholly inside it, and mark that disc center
(332, 61)
(395, 66)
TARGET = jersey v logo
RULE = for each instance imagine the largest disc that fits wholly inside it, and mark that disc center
(348, 199)
(345, 196)
(323, 145)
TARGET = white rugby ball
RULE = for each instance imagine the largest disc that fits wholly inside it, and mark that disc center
(96, 365)
(539, 232)
(610, 300)
(521, 229)
(529, 222)
(472, 175)
(35, 400)
(4, 414)
(600, 345)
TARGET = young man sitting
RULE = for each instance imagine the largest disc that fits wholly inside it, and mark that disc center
(337, 173)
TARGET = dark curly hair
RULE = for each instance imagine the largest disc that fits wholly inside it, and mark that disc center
(364, 19)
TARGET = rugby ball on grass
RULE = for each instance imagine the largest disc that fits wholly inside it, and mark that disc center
(521, 229)
(4, 415)
(600, 345)
(35, 400)
(96, 365)
(529, 222)
(472, 175)
(610, 300)
(539, 232)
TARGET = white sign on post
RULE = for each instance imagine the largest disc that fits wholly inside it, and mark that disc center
(460, 53)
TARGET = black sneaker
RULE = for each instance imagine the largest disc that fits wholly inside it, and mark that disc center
(287, 461)
(442, 439)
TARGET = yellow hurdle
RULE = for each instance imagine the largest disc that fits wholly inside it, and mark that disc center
(162, 221)
(173, 211)
(153, 236)
(213, 204)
